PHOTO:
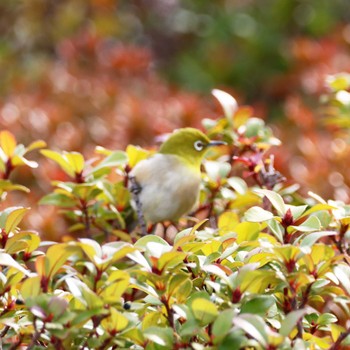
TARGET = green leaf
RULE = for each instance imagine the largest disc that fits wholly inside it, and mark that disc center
(254, 326)
(204, 311)
(277, 229)
(222, 325)
(258, 305)
(175, 283)
(296, 211)
(342, 272)
(135, 335)
(160, 336)
(57, 306)
(290, 322)
(216, 170)
(312, 223)
(115, 159)
(257, 214)
(143, 241)
(275, 199)
(310, 239)
(238, 184)
(59, 200)
(326, 319)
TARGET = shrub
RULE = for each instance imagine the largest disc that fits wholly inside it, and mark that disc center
(256, 266)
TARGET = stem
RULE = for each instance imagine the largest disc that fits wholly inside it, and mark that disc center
(86, 217)
(4, 331)
(36, 336)
(342, 336)
(306, 296)
(170, 313)
(8, 169)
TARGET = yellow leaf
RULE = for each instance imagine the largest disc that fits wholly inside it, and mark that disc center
(170, 259)
(56, 256)
(321, 252)
(322, 343)
(115, 286)
(136, 154)
(287, 252)
(116, 322)
(211, 247)
(154, 318)
(14, 218)
(247, 231)
(35, 145)
(24, 240)
(227, 222)
(204, 310)
(60, 160)
(336, 330)
(7, 143)
(31, 287)
(75, 160)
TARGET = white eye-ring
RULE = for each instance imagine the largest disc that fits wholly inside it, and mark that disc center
(198, 145)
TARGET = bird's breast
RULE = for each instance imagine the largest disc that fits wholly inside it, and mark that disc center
(169, 187)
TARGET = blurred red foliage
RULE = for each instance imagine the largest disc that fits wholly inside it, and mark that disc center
(93, 89)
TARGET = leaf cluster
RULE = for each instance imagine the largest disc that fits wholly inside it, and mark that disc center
(261, 268)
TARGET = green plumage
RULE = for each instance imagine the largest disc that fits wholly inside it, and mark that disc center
(170, 179)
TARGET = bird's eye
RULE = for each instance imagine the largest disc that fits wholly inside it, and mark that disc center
(198, 145)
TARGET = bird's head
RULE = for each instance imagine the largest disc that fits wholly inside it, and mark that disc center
(190, 144)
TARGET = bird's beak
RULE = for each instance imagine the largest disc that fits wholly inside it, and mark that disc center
(216, 143)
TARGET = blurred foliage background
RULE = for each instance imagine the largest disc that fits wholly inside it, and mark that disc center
(81, 73)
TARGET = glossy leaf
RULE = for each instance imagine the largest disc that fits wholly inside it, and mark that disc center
(14, 218)
(7, 143)
(116, 321)
(290, 322)
(275, 199)
(204, 310)
(227, 102)
(136, 154)
(7, 260)
(60, 160)
(257, 214)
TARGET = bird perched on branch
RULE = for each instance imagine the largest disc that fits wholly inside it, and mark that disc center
(166, 185)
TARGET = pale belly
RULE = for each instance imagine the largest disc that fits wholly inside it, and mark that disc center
(169, 188)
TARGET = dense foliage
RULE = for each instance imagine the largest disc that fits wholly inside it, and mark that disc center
(262, 263)
(256, 266)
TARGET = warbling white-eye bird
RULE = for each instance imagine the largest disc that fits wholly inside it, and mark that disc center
(166, 185)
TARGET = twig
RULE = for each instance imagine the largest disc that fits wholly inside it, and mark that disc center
(336, 345)
(86, 218)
